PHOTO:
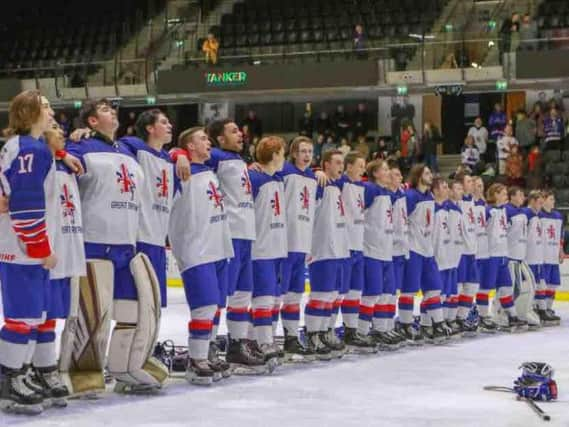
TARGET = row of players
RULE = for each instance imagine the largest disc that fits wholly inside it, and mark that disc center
(241, 239)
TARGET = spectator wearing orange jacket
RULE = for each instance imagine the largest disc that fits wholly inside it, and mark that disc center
(210, 47)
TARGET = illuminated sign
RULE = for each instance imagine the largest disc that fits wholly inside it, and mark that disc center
(226, 78)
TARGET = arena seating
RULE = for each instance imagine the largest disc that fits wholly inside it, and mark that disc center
(557, 168)
(553, 22)
(299, 25)
(42, 34)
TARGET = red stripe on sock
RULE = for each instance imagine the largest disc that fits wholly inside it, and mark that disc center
(238, 310)
(17, 327)
(291, 308)
(466, 298)
(200, 325)
(482, 297)
(432, 300)
(262, 313)
(390, 308)
(337, 303)
(47, 326)
(352, 303)
(367, 310)
(406, 300)
(381, 308)
(508, 299)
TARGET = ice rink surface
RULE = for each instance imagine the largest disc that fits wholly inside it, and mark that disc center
(429, 386)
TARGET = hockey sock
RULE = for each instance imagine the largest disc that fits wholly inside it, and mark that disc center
(15, 337)
(335, 311)
(351, 308)
(262, 315)
(276, 311)
(316, 311)
(466, 299)
(238, 317)
(505, 295)
(381, 313)
(541, 295)
(550, 296)
(406, 303)
(44, 353)
(290, 312)
(432, 301)
(200, 328)
(445, 303)
(425, 318)
(391, 308)
(365, 315)
(452, 307)
(216, 319)
(483, 302)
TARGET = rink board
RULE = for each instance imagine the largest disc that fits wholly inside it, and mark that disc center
(175, 280)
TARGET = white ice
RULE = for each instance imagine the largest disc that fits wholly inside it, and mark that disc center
(430, 386)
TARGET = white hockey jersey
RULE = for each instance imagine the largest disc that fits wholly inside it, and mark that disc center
(378, 223)
(27, 177)
(353, 196)
(68, 240)
(400, 225)
(442, 239)
(552, 223)
(455, 220)
(469, 225)
(199, 229)
(517, 232)
(421, 211)
(300, 203)
(238, 195)
(157, 191)
(534, 253)
(110, 191)
(497, 227)
(329, 238)
(481, 230)
(270, 216)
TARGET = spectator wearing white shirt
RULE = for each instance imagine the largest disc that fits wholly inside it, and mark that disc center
(503, 146)
(470, 153)
(480, 135)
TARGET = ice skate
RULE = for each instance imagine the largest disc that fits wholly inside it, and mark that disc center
(16, 397)
(384, 341)
(48, 382)
(549, 318)
(455, 329)
(358, 343)
(272, 355)
(513, 324)
(314, 344)
(221, 368)
(487, 325)
(295, 351)
(199, 372)
(467, 330)
(411, 335)
(243, 360)
(335, 344)
(122, 387)
(428, 335)
(441, 332)
(398, 337)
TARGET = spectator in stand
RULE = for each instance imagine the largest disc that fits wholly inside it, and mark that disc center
(515, 167)
(64, 124)
(318, 144)
(362, 147)
(528, 34)
(360, 42)
(255, 124)
(470, 154)
(306, 125)
(509, 27)
(330, 144)
(361, 121)
(537, 116)
(449, 62)
(248, 152)
(504, 146)
(535, 168)
(460, 170)
(429, 148)
(382, 151)
(323, 124)
(496, 123)
(407, 142)
(341, 122)
(554, 130)
(526, 129)
(344, 146)
(210, 47)
(480, 136)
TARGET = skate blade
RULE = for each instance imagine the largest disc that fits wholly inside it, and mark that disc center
(337, 354)
(533, 328)
(87, 395)
(324, 357)
(245, 370)
(361, 350)
(298, 358)
(10, 407)
(272, 364)
(551, 323)
(488, 331)
(138, 389)
(200, 381)
(218, 376)
(56, 402)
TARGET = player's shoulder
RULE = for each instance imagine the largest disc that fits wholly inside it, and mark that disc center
(198, 168)
(220, 155)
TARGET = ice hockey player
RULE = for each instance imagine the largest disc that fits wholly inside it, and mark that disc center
(375, 307)
(495, 274)
(552, 224)
(353, 282)
(201, 243)
(299, 201)
(27, 178)
(270, 246)
(421, 271)
(328, 253)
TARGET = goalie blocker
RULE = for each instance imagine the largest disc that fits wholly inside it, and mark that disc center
(86, 332)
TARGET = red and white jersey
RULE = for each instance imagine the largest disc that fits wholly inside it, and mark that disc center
(300, 204)
(238, 194)
(270, 216)
(157, 191)
(199, 229)
(534, 253)
(517, 232)
(552, 223)
(400, 225)
(378, 223)
(481, 230)
(442, 239)
(353, 195)
(466, 205)
(329, 238)
(497, 227)
(456, 227)
(421, 210)
(110, 191)
(68, 242)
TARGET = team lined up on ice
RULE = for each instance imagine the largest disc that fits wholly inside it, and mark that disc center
(241, 239)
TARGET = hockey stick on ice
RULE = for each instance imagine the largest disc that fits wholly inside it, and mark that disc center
(540, 413)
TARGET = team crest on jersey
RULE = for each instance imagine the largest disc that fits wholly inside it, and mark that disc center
(67, 204)
(404, 215)
(125, 179)
(246, 182)
(389, 213)
(215, 195)
(305, 199)
(444, 224)
(163, 183)
(503, 225)
(428, 217)
(538, 230)
(340, 204)
(276, 204)
(361, 205)
(481, 220)
(470, 216)
(551, 232)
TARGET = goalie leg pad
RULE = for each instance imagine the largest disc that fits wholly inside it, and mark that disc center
(524, 294)
(86, 333)
(136, 331)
